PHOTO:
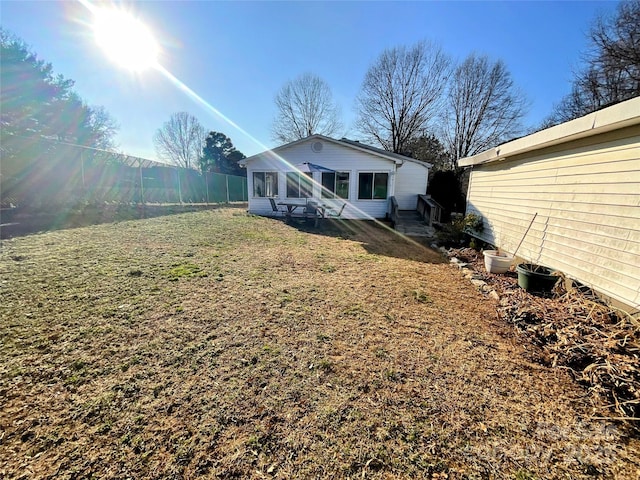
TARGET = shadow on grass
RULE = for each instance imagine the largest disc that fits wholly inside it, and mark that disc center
(377, 237)
(20, 222)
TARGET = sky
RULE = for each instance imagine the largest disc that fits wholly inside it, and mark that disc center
(237, 55)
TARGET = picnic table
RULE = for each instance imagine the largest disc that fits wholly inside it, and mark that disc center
(311, 210)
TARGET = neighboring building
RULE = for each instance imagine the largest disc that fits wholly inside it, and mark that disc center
(582, 178)
(335, 172)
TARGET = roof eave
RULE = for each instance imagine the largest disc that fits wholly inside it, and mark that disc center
(617, 116)
(371, 150)
(274, 151)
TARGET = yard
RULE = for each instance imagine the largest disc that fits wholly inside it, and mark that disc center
(224, 345)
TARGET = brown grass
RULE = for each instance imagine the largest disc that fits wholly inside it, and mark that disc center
(223, 345)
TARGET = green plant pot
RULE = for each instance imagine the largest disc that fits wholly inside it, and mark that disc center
(534, 278)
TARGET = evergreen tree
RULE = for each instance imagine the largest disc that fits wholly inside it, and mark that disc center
(220, 156)
(37, 102)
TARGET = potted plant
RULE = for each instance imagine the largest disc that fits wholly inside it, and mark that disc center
(535, 278)
(496, 261)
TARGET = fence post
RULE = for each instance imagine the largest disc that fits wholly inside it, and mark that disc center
(141, 182)
(226, 178)
(82, 169)
(206, 184)
(179, 186)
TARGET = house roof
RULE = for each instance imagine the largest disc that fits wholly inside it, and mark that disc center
(353, 144)
(624, 114)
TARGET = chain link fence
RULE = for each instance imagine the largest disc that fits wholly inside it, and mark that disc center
(40, 173)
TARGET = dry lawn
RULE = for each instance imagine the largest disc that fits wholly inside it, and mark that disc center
(222, 345)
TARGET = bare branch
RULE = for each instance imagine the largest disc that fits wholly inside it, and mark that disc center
(305, 107)
(180, 140)
(401, 94)
(612, 70)
(484, 107)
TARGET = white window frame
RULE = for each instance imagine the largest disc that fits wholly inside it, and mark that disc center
(274, 174)
(299, 174)
(325, 192)
(373, 183)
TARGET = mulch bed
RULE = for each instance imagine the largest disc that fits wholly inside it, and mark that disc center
(577, 331)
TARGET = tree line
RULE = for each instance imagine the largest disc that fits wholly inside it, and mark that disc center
(611, 70)
(182, 140)
(414, 100)
(37, 103)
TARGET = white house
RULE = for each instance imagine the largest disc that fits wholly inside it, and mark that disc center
(582, 179)
(335, 172)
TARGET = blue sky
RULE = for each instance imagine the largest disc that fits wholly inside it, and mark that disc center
(236, 55)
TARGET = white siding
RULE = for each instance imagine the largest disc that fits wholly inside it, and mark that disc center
(411, 181)
(333, 156)
(587, 197)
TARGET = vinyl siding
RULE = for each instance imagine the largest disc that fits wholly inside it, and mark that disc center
(333, 156)
(411, 181)
(587, 197)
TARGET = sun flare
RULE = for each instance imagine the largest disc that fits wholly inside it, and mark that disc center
(125, 40)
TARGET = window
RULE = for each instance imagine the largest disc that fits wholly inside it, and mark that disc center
(265, 184)
(335, 184)
(372, 185)
(299, 186)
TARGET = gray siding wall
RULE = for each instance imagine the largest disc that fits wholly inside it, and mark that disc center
(587, 197)
(332, 156)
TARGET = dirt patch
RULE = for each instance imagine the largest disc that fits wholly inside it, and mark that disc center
(225, 345)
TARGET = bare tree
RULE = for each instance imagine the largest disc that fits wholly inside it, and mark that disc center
(305, 107)
(590, 91)
(484, 107)
(402, 91)
(612, 70)
(616, 41)
(103, 126)
(180, 140)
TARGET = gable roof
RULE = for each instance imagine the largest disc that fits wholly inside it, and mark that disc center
(353, 144)
(623, 114)
(361, 146)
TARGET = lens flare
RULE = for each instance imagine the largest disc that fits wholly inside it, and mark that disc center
(125, 40)
(129, 43)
